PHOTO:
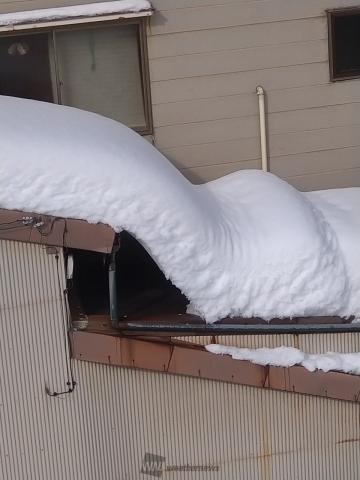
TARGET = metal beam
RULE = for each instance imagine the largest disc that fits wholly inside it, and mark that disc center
(187, 329)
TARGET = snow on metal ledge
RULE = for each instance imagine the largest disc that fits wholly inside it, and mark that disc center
(95, 12)
(181, 358)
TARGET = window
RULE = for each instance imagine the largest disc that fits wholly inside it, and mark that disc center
(344, 43)
(98, 68)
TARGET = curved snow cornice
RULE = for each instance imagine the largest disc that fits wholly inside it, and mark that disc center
(246, 244)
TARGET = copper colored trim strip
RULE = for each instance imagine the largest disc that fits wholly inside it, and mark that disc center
(193, 360)
(56, 231)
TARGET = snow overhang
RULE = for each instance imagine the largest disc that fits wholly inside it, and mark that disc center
(55, 231)
(89, 13)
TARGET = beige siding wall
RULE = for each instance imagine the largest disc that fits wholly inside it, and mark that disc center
(207, 57)
(115, 415)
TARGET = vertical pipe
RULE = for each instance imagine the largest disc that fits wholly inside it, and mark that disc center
(113, 291)
(264, 158)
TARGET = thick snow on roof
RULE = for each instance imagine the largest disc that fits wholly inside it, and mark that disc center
(246, 244)
(75, 11)
(289, 356)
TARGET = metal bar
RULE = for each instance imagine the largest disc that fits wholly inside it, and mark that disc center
(187, 329)
(114, 310)
(113, 294)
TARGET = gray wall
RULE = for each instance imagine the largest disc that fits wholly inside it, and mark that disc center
(206, 58)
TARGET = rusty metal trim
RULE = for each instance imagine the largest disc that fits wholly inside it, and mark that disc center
(56, 231)
(182, 358)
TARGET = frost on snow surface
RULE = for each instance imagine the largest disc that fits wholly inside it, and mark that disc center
(246, 244)
(289, 356)
(75, 11)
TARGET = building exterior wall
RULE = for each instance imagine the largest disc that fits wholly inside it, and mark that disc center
(206, 59)
(103, 429)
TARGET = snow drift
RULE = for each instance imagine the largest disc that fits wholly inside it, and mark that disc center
(246, 244)
(289, 356)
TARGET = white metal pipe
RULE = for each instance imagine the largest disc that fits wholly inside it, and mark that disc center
(264, 157)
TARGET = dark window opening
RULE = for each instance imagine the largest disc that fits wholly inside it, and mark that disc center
(142, 288)
(25, 67)
(344, 43)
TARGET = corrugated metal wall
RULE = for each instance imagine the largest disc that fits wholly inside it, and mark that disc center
(116, 415)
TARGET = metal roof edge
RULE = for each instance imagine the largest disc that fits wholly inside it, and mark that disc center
(55, 231)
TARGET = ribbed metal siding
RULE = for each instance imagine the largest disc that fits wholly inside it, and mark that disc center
(344, 342)
(115, 415)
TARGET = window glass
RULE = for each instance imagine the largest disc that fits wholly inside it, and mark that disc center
(99, 70)
(25, 67)
(345, 44)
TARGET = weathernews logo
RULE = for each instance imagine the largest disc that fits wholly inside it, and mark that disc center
(155, 465)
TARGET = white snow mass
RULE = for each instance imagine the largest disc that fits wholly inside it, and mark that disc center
(246, 244)
(289, 356)
(75, 11)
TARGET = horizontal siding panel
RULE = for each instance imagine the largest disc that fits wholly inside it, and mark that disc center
(232, 38)
(241, 14)
(315, 118)
(306, 182)
(214, 153)
(257, 58)
(243, 127)
(204, 109)
(314, 140)
(314, 96)
(244, 149)
(323, 181)
(240, 82)
(180, 4)
(231, 106)
(205, 132)
(315, 162)
(207, 173)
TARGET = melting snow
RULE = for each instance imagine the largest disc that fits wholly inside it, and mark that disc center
(75, 11)
(246, 244)
(288, 357)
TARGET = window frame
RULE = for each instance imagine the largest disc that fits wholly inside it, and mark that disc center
(331, 15)
(141, 22)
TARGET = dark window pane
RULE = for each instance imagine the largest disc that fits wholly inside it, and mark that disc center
(25, 67)
(346, 44)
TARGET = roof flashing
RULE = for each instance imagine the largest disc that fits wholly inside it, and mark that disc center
(88, 13)
(55, 231)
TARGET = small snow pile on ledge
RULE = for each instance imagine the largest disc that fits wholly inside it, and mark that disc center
(75, 11)
(289, 356)
(246, 244)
